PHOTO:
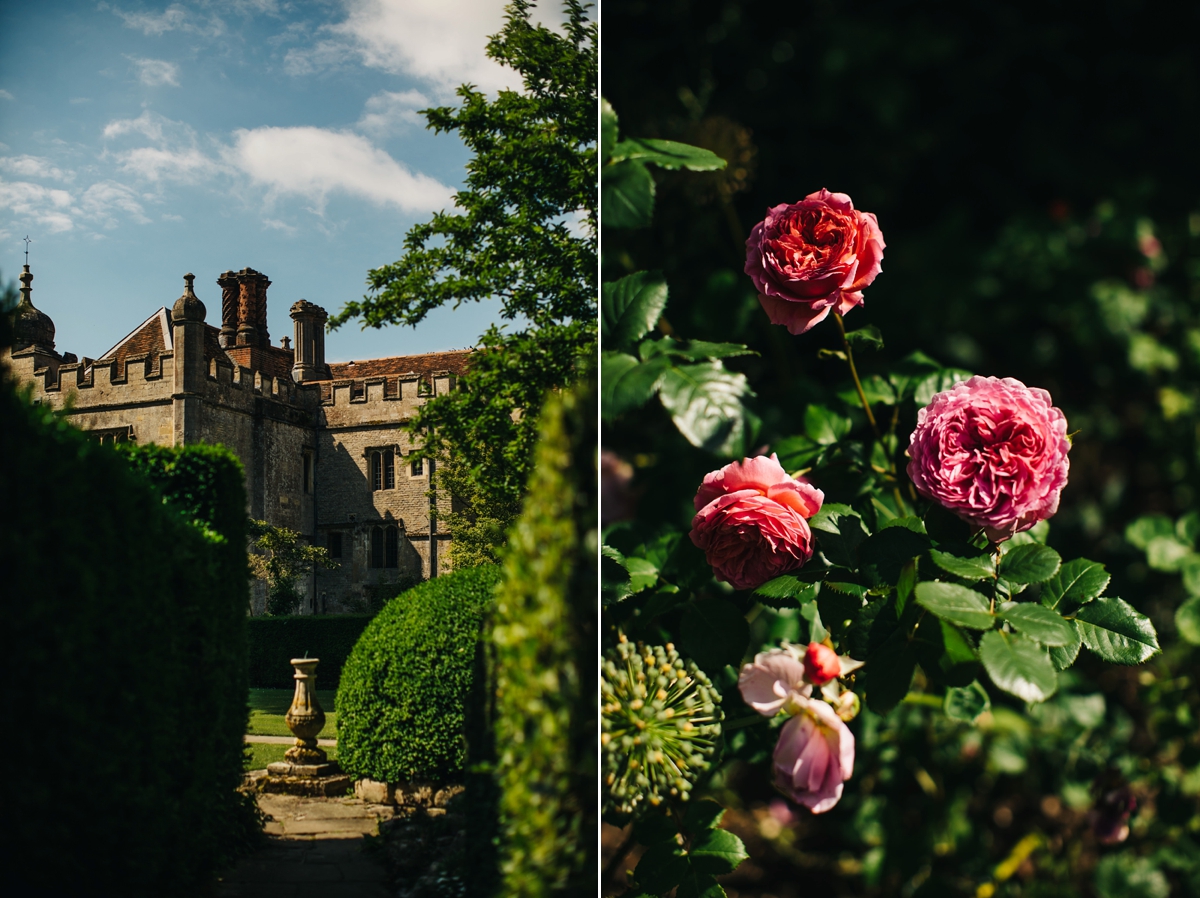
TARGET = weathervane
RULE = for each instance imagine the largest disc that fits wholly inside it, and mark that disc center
(27, 242)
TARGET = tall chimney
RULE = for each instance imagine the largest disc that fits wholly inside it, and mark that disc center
(244, 308)
(310, 342)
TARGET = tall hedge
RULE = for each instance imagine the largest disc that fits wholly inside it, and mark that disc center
(125, 660)
(542, 697)
(403, 688)
(274, 641)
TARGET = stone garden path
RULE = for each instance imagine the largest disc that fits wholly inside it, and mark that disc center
(315, 851)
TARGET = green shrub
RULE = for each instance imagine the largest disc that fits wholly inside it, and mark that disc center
(274, 641)
(542, 638)
(126, 648)
(400, 701)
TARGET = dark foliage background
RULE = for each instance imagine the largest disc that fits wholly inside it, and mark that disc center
(274, 641)
(1032, 166)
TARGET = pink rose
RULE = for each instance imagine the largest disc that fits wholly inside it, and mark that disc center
(810, 257)
(773, 678)
(814, 756)
(751, 521)
(994, 452)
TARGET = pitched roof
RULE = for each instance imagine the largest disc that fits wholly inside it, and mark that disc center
(152, 336)
(456, 362)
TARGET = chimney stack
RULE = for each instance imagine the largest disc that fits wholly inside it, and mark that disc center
(244, 308)
(310, 342)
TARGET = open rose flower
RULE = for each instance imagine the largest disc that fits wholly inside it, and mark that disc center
(812, 257)
(751, 521)
(814, 756)
(776, 679)
(994, 452)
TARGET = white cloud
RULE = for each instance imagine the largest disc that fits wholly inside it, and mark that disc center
(313, 163)
(5, 95)
(44, 206)
(103, 198)
(148, 124)
(153, 72)
(388, 111)
(174, 18)
(175, 155)
(276, 225)
(34, 167)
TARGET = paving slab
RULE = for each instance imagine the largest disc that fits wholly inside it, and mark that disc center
(314, 848)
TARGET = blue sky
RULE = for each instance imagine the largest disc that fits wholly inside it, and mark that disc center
(143, 140)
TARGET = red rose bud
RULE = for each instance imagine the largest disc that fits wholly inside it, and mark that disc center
(821, 664)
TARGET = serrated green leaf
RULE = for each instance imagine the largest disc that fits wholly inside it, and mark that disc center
(705, 402)
(668, 154)
(1115, 631)
(910, 371)
(626, 383)
(701, 815)
(905, 585)
(692, 350)
(1064, 656)
(839, 603)
(839, 536)
(661, 868)
(888, 672)
(1033, 563)
(883, 555)
(1038, 533)
(631, 307)
(714, 633)
(696, 884)
(825, 426)
(797, 452)
(717, 851)
(966, 703)
(976, 567)
(1146, 528)
(1018, 666)
(867, 337)
(958, 649)
(1039, 623)
(787, 587)
(642, 573)
(877, 390)
(608, 130)
(1077, 582)
(1187, 620)
(626, 195)
(938, 382)
(956, 604)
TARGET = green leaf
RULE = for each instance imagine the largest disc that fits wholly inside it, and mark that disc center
(867, 337)
(975, 567)
(701, 815)
(1191, 575)
(1187, 620)
(626, 195)
(955, 604)
(910, 371)
(1077, 583)
(714, 633)
(642, 573)
(608, 130)
(661, 868)
(614, 578)
(905, 585)
(825, 426)
(1187, 528)
(839, 536)
(1039, 623)
(653, 828)
(883, 555)
(668, 154)
(630, 307)
(717, 851)
(788, 591)
(797, 452)
(1019, 666)
(938, 382)
(626, 383)
(958, 649)
(696, 884)
(877, 390)
(889, 672)
(966, 703)
(705, 402)
(692, 350)
(1064, 656)
(1167, 553)
(1032, 563)
(1112, 629)
(838, 605)
(1146, 528)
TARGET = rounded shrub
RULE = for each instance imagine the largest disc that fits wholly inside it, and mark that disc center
(401, 696)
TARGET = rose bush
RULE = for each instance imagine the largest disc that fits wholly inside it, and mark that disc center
(751, 521)
(809, 258)
(994, 452)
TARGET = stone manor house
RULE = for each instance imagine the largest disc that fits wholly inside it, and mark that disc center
(320, 442)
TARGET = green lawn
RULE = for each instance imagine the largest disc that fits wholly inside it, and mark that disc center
(268, 707)
(261, 755)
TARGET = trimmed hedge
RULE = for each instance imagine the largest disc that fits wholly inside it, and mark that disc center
(400, 701)
(539, 806)
(274, 641)
(125, 657)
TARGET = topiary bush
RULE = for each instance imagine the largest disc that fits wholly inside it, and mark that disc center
(539, 805)
(402, 690)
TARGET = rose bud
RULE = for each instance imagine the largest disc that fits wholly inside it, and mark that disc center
(992, 451)
(821, 664)
(809, 258)
(814, 756)
(751, 521)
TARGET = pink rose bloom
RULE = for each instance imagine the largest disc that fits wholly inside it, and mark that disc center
(773, 678)
(751, 521)
(814, 756)
(994, 452)
(811, 257)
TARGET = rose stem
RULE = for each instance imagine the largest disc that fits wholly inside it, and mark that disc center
(862, 397)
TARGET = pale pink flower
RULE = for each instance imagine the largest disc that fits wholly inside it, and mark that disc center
(992, 451)
(751, 521)
(809, 258)
(773, 678)
(814, 756)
